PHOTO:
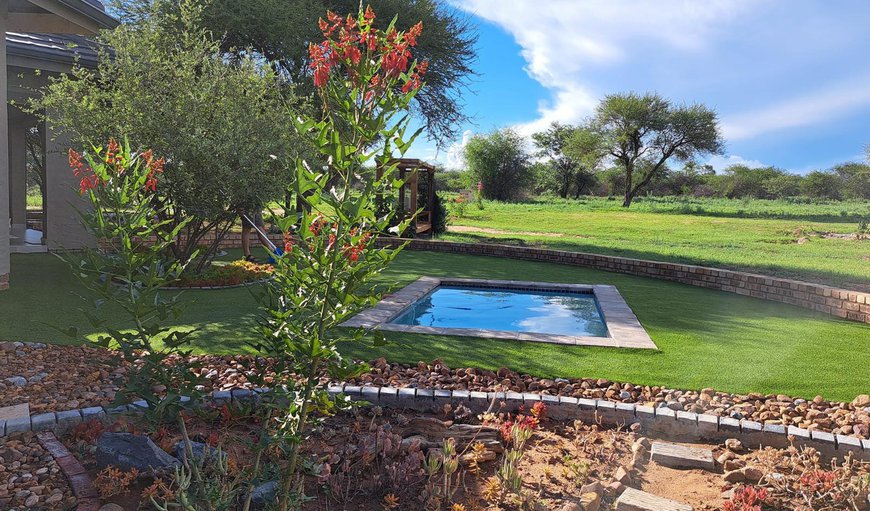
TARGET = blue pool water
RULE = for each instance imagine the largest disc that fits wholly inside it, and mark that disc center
(575, 314)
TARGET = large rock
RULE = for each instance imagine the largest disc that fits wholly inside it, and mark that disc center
(264, 495)
(861, 401)
(127, 451)
(199, 449)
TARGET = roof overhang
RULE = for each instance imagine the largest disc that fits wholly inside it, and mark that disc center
(58, 16)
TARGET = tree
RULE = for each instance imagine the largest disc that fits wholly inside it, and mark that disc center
(855, 179)
(642, 133)
(783, 185)
(500, 162)
(551, 145)
(281, 30)
(821, 185)
(585, 148)
(742, 181)
(221, 125)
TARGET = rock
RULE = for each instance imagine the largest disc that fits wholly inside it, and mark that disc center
(861, 401)
(198, 449)
(111, 507)
(592, 488)
(735, 476)
(622, 475)
(54, 499)
(732, 444)
(126, 451)
(731, 465)
(752, 474)
(590, 501)
(264, 495)
(31, 501)
(615, 488)
(571, 506)
(18, 381)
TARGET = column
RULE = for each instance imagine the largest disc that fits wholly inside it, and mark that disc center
(4, 154)
(17, 174)
(63, 229)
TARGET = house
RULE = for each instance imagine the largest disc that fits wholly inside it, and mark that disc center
(41, 35)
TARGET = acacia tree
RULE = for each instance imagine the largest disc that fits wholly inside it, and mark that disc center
(642, 133)
(221, 125)
(280, 31)
(499, 161)
(551, 145)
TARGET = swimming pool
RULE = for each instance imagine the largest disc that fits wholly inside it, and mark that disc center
(509, 310)
(560, 313)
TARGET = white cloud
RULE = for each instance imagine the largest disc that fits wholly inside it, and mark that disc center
(455, 158)
(562, 39)
(720, 163)
(819, 106)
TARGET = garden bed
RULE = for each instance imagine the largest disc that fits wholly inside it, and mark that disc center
(42, 374)
(379, 459)
(219, 276)
(30, 478)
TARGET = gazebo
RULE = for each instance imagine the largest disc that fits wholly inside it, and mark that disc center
(41, 35)
(415, 188)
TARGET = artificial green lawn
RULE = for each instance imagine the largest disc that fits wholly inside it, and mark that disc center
(751, 235)
(707, 338)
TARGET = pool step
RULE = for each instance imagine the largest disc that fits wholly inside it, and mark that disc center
(636, 500)
(680, 456)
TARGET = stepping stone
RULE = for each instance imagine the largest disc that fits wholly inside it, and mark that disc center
(7, 413)
(636, 500)
(679, 456)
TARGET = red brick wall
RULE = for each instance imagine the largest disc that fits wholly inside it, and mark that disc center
(4, 281)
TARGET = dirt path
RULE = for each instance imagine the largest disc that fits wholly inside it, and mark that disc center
(487, 230)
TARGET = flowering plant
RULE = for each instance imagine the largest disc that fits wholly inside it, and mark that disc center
(459, 204)
(479, 195)
(129, 270)
(366, 79)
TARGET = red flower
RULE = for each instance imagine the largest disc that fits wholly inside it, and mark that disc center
(413, 33)
(288, 243)
(369, 15)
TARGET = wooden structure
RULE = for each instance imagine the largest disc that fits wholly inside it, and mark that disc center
(419, 183)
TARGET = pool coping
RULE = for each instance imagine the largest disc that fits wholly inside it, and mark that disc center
(623, 328)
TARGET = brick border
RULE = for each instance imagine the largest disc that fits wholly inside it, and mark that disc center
(661, 423)
(623, 328)
(842, 303)
(81, 483)
(4, 281)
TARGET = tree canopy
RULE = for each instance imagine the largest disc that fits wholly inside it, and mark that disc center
(281, 30)
(500, 162)
(222, 126)
(643, 132)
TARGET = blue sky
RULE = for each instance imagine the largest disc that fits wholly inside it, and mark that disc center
(790, 79)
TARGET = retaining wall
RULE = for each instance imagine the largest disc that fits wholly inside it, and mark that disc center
(841, 303)
(655, 422)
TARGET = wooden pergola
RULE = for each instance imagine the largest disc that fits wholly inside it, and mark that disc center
(409, 170)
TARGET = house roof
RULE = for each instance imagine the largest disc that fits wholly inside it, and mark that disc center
(60, 49)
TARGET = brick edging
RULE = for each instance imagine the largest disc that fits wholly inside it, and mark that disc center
(81, 483)
(842, 303)
(657, 422)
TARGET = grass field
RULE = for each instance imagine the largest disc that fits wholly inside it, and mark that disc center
(759, 235)
(706, 338)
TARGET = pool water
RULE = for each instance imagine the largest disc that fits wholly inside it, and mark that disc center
(545, 312)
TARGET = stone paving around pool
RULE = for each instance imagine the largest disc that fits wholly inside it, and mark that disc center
(623, 328)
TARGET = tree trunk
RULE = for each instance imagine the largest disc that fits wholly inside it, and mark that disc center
(629, 193)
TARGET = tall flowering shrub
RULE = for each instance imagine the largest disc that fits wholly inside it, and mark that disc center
(127, 272)
(366, 79)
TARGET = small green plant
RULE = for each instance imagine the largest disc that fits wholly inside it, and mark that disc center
(459, 204)
(864, 226)
(128, 270)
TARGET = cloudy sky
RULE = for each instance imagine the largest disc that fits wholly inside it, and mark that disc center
(790, 79)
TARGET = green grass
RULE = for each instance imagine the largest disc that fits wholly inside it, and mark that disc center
(706, 338)
(757, 236)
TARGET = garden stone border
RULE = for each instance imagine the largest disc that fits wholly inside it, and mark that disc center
(662, 423)
(623, 328)
(81, 483)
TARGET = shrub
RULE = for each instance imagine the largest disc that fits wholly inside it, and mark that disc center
(500, 163)
(440, 215)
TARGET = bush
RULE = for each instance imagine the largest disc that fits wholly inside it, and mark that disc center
(440, 215)
(821, 185)
(499, 160)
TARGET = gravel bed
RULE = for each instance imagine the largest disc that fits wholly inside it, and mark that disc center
(98, 372)
(29, 476)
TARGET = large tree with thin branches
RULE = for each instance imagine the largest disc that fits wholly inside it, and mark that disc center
(643, 132)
